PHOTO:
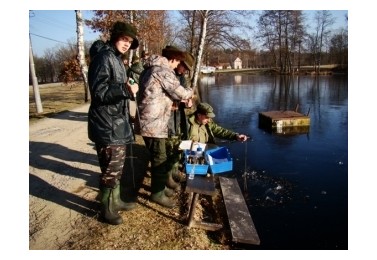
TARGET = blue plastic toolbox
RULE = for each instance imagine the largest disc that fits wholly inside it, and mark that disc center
(200, 169)
(219, 160)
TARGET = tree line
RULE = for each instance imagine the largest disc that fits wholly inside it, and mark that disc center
(280, 39)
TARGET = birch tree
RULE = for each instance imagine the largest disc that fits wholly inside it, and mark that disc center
(81, 53)
(203, 31)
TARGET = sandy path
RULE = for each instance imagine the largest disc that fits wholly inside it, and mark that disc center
(63, 176)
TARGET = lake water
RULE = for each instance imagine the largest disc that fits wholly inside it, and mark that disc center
(295, 184)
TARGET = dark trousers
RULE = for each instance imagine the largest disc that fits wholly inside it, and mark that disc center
(159, 162)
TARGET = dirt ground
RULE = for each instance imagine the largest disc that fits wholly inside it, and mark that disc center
(63, 189)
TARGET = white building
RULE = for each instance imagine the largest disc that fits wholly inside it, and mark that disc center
(237, 63)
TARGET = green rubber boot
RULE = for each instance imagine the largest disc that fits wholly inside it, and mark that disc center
(120, 205)
(169, 192)
(158, 195)
(108, 211)
(171, 183)
(162, 199)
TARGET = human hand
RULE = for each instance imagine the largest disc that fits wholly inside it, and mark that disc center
(188, 102)
(132, 86)
(241, 138)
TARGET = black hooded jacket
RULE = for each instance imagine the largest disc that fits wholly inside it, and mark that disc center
(108, 118)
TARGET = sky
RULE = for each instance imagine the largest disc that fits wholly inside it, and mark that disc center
(52, 28)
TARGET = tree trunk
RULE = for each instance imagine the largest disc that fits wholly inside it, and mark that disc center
(203, 32)
(81, 53)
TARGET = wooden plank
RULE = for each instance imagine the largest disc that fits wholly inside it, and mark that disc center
(201, 184)
(206, 225)
(194, 200)
(241, 223)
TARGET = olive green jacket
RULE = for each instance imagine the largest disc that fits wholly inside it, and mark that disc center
(207, 133)
(135, 70)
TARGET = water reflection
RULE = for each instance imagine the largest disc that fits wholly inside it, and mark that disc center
(237, 79)
(207, 80)
(296, 186)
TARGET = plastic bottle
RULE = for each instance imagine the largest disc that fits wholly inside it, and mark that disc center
(192, 172)
(199, 155)
(196, 156)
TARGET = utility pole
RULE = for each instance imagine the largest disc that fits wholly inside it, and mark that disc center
(37, 96)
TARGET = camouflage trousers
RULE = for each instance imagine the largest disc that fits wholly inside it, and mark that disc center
(111, 160)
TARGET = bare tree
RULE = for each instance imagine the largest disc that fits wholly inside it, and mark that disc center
(81, 53)
(323, 21)
(221, 31)
(280, 33)
(339, 48)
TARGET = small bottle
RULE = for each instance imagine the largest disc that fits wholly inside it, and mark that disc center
(194, 162)
(199, 155)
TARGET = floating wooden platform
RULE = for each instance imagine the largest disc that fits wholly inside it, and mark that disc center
(284, 121)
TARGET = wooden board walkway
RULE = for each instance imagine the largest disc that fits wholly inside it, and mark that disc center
(240, 221)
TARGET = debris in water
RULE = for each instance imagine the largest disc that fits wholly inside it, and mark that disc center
(266, 190)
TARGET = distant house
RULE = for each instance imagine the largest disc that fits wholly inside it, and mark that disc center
(237, 63)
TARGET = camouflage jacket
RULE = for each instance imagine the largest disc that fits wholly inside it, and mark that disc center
(160, 87)
(207, 133)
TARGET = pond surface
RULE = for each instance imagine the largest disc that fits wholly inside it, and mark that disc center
(295, 184)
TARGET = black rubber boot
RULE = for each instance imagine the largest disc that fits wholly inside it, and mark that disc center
(120, 205)
(108, 211)
(162, 199)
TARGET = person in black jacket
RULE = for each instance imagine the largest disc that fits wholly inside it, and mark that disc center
(108, 119)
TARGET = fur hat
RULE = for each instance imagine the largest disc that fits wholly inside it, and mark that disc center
(205, 109)
(189, 60)
(124, 29)
(171, 52)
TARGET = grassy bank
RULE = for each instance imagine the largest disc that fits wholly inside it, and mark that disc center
(56, 98)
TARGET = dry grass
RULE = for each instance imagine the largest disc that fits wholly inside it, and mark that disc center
(151, 227)
(56, 98)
